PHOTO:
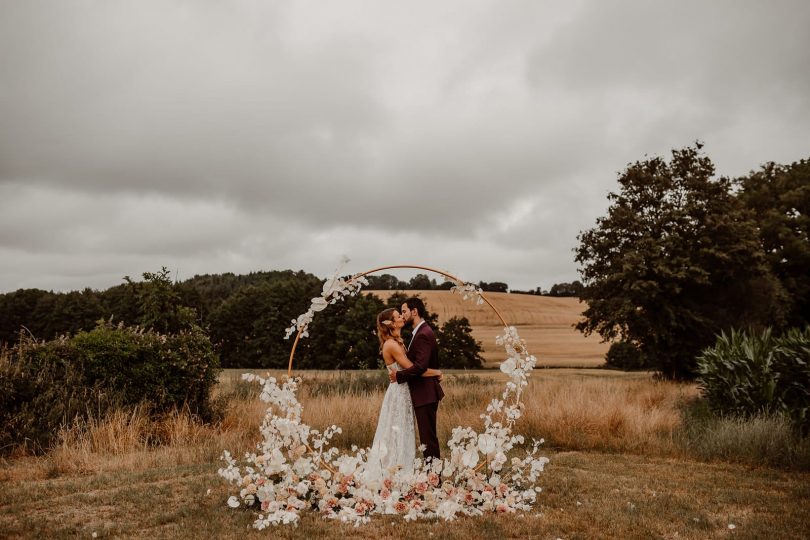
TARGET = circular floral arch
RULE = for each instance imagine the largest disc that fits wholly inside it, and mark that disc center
(336, 288)
(295, 468)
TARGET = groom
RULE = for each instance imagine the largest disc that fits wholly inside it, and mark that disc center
(426, 392)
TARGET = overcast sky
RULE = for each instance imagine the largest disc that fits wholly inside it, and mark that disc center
(477, 137)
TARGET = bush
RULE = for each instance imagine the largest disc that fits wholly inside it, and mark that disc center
(36, 399)
(625, 355)
(458, 349)
(748, 375)
(46, 384)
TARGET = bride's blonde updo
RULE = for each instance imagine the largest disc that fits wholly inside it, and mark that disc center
(385, 327)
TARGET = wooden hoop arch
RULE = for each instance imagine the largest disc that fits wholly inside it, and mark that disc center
(398, 266)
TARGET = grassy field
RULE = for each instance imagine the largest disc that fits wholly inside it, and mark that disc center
(545, 323)
(621, 466)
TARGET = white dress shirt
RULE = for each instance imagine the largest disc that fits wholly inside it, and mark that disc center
(415, 330)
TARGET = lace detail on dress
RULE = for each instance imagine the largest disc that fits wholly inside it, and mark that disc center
(395, 439)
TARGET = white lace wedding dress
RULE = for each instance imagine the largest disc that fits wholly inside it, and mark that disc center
(395, 438)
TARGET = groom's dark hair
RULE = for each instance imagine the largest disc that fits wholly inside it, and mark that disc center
(418, 305)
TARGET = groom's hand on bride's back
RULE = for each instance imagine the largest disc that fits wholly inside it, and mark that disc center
(392, 375)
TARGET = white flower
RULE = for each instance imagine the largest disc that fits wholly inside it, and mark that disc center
(233, 502)
(486, 443)
(448, 509)
(470, 458)
(731, 526)
(508, 366)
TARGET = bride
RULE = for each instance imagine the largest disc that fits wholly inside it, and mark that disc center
(395, 440)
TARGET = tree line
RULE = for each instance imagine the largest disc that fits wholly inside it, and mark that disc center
(421, 282)
(244, 315)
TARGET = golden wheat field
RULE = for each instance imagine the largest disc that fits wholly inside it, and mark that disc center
(619, 467)
(545, 323)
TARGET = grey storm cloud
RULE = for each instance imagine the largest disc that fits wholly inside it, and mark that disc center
(477, 136)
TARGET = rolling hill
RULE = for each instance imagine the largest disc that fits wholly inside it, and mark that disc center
(546, 323)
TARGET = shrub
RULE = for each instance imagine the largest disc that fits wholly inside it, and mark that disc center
(46, 384)
(625, 355)
(458, 349)
(36, 399)
(748, 375)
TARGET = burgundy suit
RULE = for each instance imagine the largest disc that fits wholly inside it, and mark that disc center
(426, 392)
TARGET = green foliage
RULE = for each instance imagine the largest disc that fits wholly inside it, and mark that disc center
(625, 355)
(779, 198)
(397, 299)
(46, 384)
(421, 282)
(494, 286)
(385, 282)
(37, 398)
(248, 327)
(746, 374)
(46, 314)
(246, 316)
(566, 289)
(343, 336)
(457, 347)
(676, 260)
(160, 304)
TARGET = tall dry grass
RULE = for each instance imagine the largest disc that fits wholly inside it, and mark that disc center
(602, 412)
(584, 413)
(637, 415)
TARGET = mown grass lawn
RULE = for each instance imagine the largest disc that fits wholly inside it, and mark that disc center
(586, 495)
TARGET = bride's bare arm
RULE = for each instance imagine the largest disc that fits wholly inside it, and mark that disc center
(399, 356)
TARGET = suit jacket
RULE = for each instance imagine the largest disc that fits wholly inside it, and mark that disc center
(424, 353)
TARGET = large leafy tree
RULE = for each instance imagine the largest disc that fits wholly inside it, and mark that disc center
(676, 260)
(779, 197)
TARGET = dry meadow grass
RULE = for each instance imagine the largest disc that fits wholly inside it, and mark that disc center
(545, 323)
(616, 468)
